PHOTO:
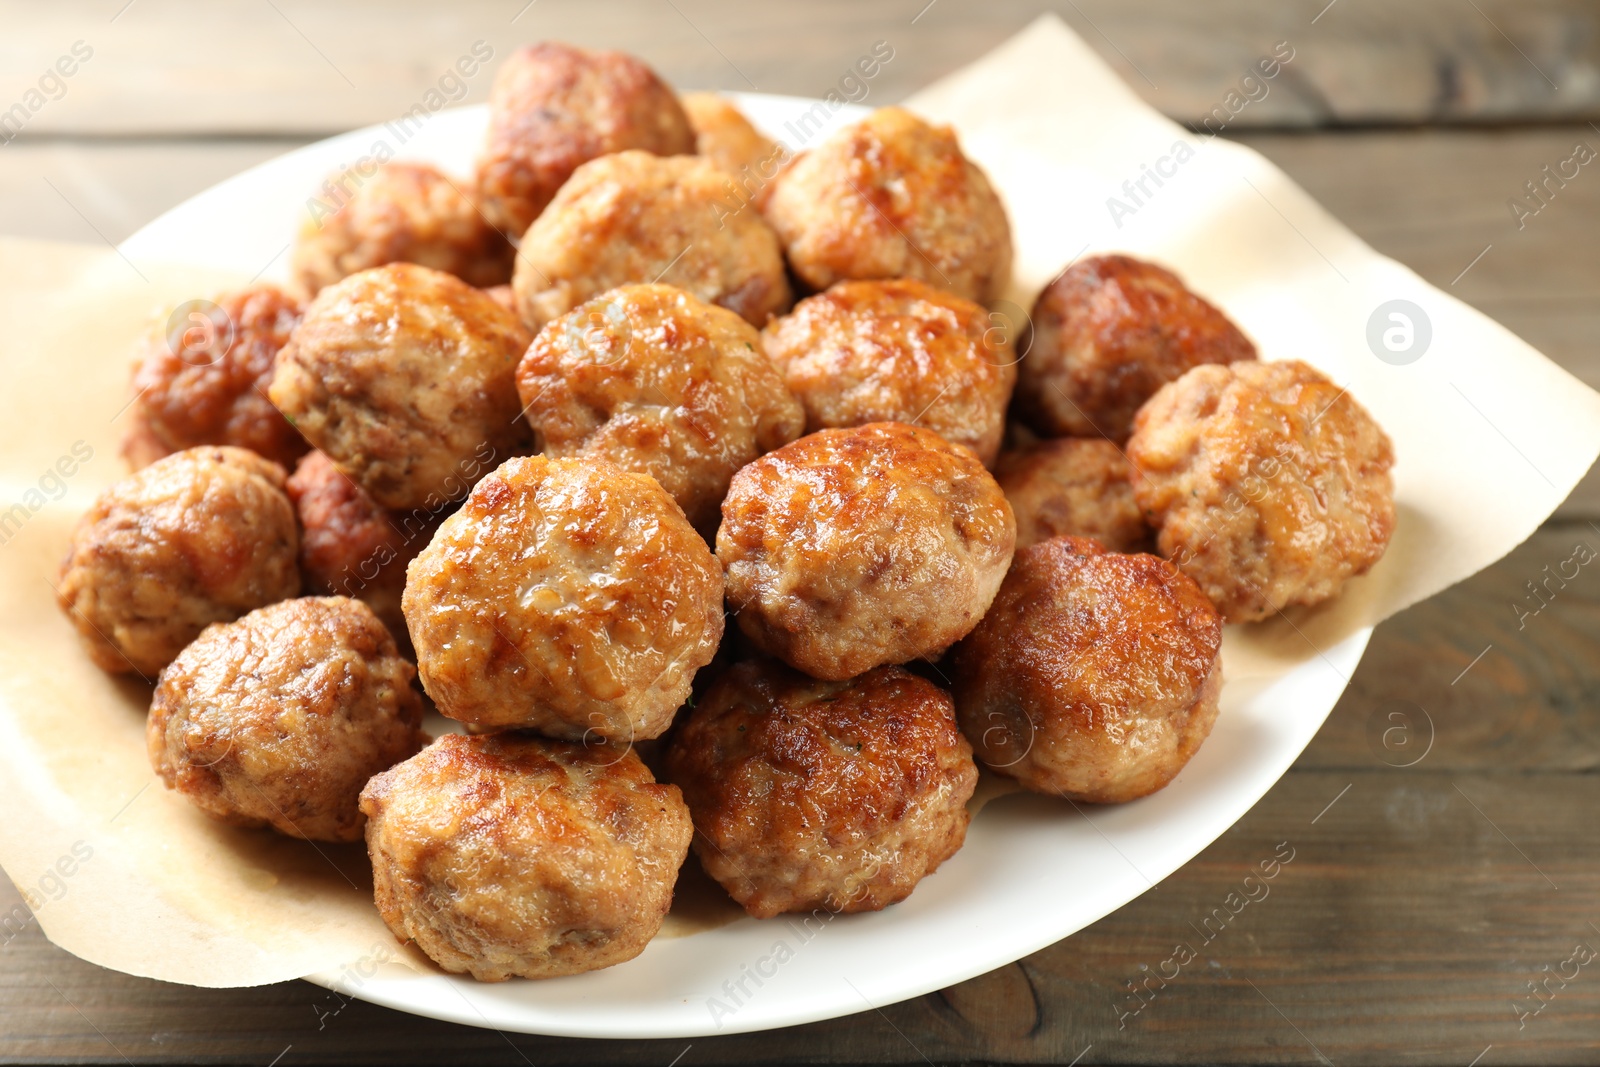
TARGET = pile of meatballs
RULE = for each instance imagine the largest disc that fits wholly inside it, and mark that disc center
(531, 440)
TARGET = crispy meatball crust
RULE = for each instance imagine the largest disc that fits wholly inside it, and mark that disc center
(1268, 484)
(568, 596)
(635, 217)
(280, 718)
(836, 795)
(507, 855)
(1107, 333)
(723, 135)
(897, 351)
(404, 213)
(892, 197)
(1073, 486)
(1094, 676)
(191, 394)
(852, 548)
(201, 536)
(349, 545)
(406, 378)
(554, 107)
(657, 381)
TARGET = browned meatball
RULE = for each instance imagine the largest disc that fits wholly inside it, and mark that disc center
(206, 382)
(503, 295)
(1094, 676)
(554, 107)
(140, 446)
(657, 381)
(853, 548)
(201, 536)
(892, 197)
(568, 596)
(405, 212)
(897, 351)
(723, 135)
(1267, 483)
(1074, 486)
(280, 718)
(1107, 333)
(838, 795)
(349, 545)
(406, 378)
(511, 856)
(635, 217)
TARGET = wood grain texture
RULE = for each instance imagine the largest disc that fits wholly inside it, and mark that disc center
(304, 66)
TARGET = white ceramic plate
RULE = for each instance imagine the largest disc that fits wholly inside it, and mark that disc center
(1033, 869)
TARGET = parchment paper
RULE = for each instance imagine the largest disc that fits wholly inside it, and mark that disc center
(1490, 436)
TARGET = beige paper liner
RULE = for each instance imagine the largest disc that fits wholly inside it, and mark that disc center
(1490, 436)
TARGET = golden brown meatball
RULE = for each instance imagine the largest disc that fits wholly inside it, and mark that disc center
(723, 135)
(1267, 484)
(657, 381)
(406, 378)
(349, 546)
(140, 446)
(892, 197)
(635, 217)
(504, 296)
(206, 382)
(837, 795)
(1094, 676)
(857, 547)
(511, 856)
(567, 596)
(1107, 333)
(897, 351)
(201, 536)
(1075, 486)
(280, 718)
(555, 107)
(403, 213)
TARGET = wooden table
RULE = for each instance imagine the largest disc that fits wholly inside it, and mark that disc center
(1423, 900)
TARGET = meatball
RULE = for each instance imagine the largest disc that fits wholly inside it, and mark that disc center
(852, 548)
(280, 718)
(504, 296)
(568, 596)
(349, 545)
(897, 351)
(723, 135)
(1267, 484)
(1107, 333)
(403, 213)
(635, 217)
(1077, 486)
(1094, 676)
(840, 795)
(140, 446)
(892, 197)
(657, 381)
(406, 378)
(198, 537)
(203, 380)
(554, 107)
(508, 855)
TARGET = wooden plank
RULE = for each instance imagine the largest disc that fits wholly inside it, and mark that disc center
(1406, 927)
(163, 66)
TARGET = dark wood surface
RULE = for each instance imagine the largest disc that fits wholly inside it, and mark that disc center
(1418, 907)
